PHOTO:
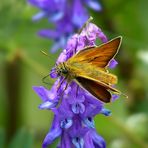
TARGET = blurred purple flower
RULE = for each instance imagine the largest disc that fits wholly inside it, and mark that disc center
(67, 16)
(74, 117)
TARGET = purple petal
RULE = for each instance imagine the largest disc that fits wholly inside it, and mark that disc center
(89, 122)
(78, 108)
(106, 112)
(54, 133)
(39, 16)
(94, 5)
(47, 33)
(62, 57)
(92, 32)
(66, 141)
(53, 73)
(114, 97)
(79, 13)
(56, 17)
(66, 123)
(63, 111)
(47, 95)
(72, 44)
(88, 141)
(77, 126)
(113, 63)
(51, 136)
(42, 4)
(48, 105)
(92, 109)
(42, 92)
(98, 140)
(59, 44)
(76, 96)
(102, 36)
(78, 142)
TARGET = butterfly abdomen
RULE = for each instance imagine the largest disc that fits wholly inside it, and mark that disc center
(109, 79)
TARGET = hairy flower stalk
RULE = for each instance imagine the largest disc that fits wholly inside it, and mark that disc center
(67, 17)
(73, 118)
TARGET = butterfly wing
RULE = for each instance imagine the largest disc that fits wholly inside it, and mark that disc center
(100, 55)
(98, 89)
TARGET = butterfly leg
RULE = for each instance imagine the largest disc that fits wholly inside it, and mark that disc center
(60, 83)
(65, 87)
(44, 78)
(62, 93)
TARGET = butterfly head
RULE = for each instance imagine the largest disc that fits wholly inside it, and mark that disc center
(61, 69)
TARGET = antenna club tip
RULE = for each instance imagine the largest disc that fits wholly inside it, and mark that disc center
(43, 52)
(90, 18)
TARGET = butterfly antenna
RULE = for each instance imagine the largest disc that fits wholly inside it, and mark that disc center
(120, 93)
(46, 54)
(124, 95)
(86, 23)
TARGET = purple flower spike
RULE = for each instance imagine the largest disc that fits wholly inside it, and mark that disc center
(74, 108)
(67, 17)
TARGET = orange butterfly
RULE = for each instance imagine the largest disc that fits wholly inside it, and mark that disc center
(88, 68)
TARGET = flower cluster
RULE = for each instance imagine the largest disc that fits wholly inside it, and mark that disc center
(74, 116)
(67, 16)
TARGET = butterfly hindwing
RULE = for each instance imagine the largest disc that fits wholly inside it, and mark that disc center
(95, 89)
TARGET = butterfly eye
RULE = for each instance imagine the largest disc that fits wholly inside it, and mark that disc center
(64, 71)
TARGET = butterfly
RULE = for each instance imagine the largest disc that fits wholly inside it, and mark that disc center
(88, 68)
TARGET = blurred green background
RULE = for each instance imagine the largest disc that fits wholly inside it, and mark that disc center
(22, 124)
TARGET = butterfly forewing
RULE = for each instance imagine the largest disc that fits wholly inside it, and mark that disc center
(98, 56)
